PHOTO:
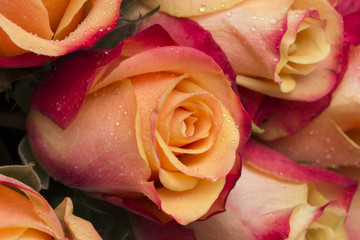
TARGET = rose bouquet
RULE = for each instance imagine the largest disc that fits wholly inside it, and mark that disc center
(180, 120)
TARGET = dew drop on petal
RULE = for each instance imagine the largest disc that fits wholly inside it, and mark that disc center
(202, 8)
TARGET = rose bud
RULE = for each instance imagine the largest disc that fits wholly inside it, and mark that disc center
(333, 138)
(276, 48)
(25, 214)
(275, 198)
(51, 28)
(152, 126)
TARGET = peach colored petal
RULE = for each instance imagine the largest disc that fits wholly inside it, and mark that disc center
(23, 234)
(56, 10)
(188, 206)
(77, 228)
(100, 20)
(107, 153)
(206, 112)
(70, 19)
(198, 66)
(177, 181)
(33, 19)
(212, 164)
(161, 85)
(20, 212)
(188, 8)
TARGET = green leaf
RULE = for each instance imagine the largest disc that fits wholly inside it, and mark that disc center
(125, 28)
(27, 157)
(118, 34)
(24, 174)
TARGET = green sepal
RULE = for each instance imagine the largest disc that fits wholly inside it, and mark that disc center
(23, 173)
(27, 157)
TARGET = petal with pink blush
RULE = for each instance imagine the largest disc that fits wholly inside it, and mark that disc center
(353, 217)
(114, 106)
(322, 143)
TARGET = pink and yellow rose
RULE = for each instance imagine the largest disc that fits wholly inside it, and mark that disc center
(25, 214)
(286, 49)
(51, 28)
(333, 138)
(152, 125)
(275, 198)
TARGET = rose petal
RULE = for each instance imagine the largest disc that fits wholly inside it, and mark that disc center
(100, 20)
(269, 160)
(78, 228)
(352, 28)
(345, 100)
(70, 19)
(322, 143)
(113, 143)
(34, 19)
(56, 10)
(189, 7)
(188, 33)
(346, 7)
(353, 216)
(35, 211)
(188, 206)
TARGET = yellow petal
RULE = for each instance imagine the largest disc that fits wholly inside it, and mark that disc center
(188, 206)
(177, 181)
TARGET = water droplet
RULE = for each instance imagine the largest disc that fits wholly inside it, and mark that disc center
(202, 8)
(273, 21)
(228, 13)
(117, 123)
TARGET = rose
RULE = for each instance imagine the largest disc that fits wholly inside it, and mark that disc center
(275, 198)
(151, 126)
(276, 48)
(332, 139)
(25, 214)
(51, 28)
